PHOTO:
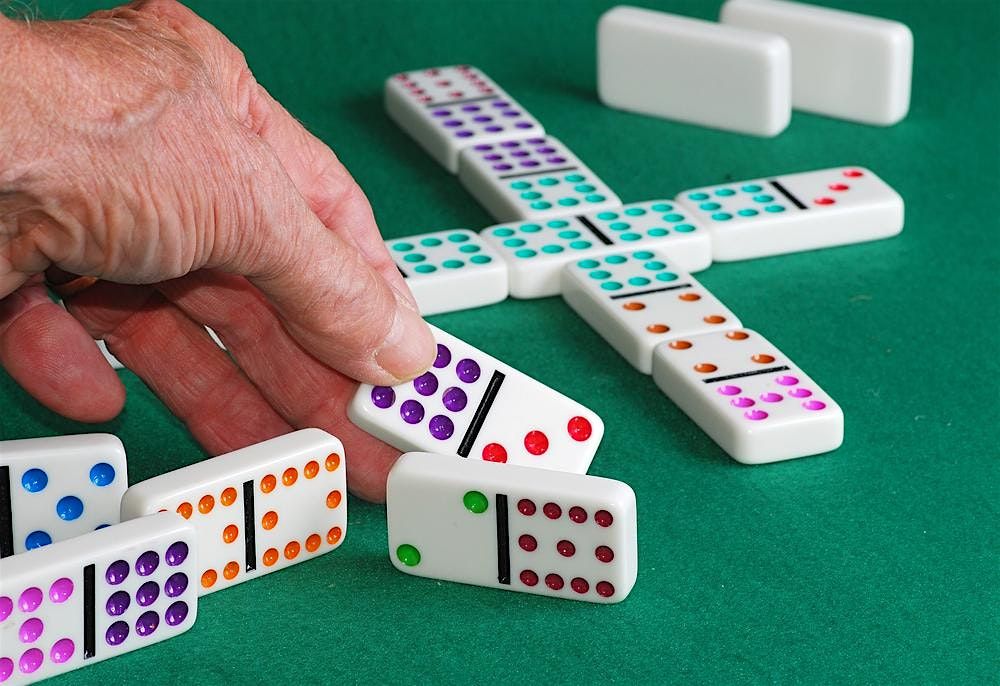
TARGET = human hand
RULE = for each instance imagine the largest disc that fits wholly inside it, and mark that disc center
(136, 147)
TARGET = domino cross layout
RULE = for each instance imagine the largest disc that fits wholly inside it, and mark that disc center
(548, 533)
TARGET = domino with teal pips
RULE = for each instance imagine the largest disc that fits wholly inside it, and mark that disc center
(536, 251)
(449, 270)
(794, 212)
(638, 299)
(568, 536)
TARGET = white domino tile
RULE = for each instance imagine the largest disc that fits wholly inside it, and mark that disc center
(638, 299)
(748, 396)
(471, 405)
(450, 270)
(693, 71)
(534, 178)
(56, 488)
(560, 535)
(794, 212)
(844, 64)
(535, 251)
(446, 109)
(94, 597)
(255, 510)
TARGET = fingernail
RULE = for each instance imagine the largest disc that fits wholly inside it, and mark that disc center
(409, 349)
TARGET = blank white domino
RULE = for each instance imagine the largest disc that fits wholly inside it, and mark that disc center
(694, 71)
(255, 510)
(535, 178)
(56, 488)
(446, 109)
(638, 299)
(844, 64)
(748, 396)
(783, 214)
(94, 597)
(560, 535)
(535, 251)
(471, 405)
(450, 270)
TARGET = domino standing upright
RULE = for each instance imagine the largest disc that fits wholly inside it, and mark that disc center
(844, 64)
(94, 597)
(258, 509)
(748, 396)
(535, 178)
(450, 270)
(561, 535)
(783, 214)
(535, 252)
(637, 300)
(56, 488)
(446, 109)
(473, 406)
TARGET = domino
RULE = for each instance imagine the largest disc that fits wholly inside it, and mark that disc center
(637, 300)
(748, 396)
(535, 252)
(450, 270)
(783, 214)
(472, 405)
(694, 71)
(560, 535)
(535, 178)
(95, 597)
(844, 64)
(52, 489)
(446, 109)
(255, 510)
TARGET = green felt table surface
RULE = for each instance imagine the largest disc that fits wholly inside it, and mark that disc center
(876, 563)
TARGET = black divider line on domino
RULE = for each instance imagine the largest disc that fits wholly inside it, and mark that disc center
(598, 234)
(452, 103)
(465, 447)
(537, 172)
(6, 515)
(249, 527)
(756, 372)
(788, 194)
(89, 613)
(503, 540)
(648, 291)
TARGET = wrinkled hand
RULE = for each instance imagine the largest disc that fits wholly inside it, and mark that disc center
(136, 146)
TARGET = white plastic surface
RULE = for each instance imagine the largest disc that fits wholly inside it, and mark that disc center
(58, 488)
(109, 592)
(450, 270)
(561, 535)
(844, 64)
(748, 396)
(638, 299)
(536, 251)
(470, 404)
(446, 109)
(536, 178)
(693, 71)
(289, 492)
(828, 207)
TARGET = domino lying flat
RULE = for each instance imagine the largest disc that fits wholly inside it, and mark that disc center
(694, 71)
(637, 300)
(536, 251)
(450, 270)
(255, 510)
(748, 397)
(472, 405)
(784, 214)
(561, 535)
(843, 64)
(56, 488)
(446, 109)
(91, 598)
(535, 178)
